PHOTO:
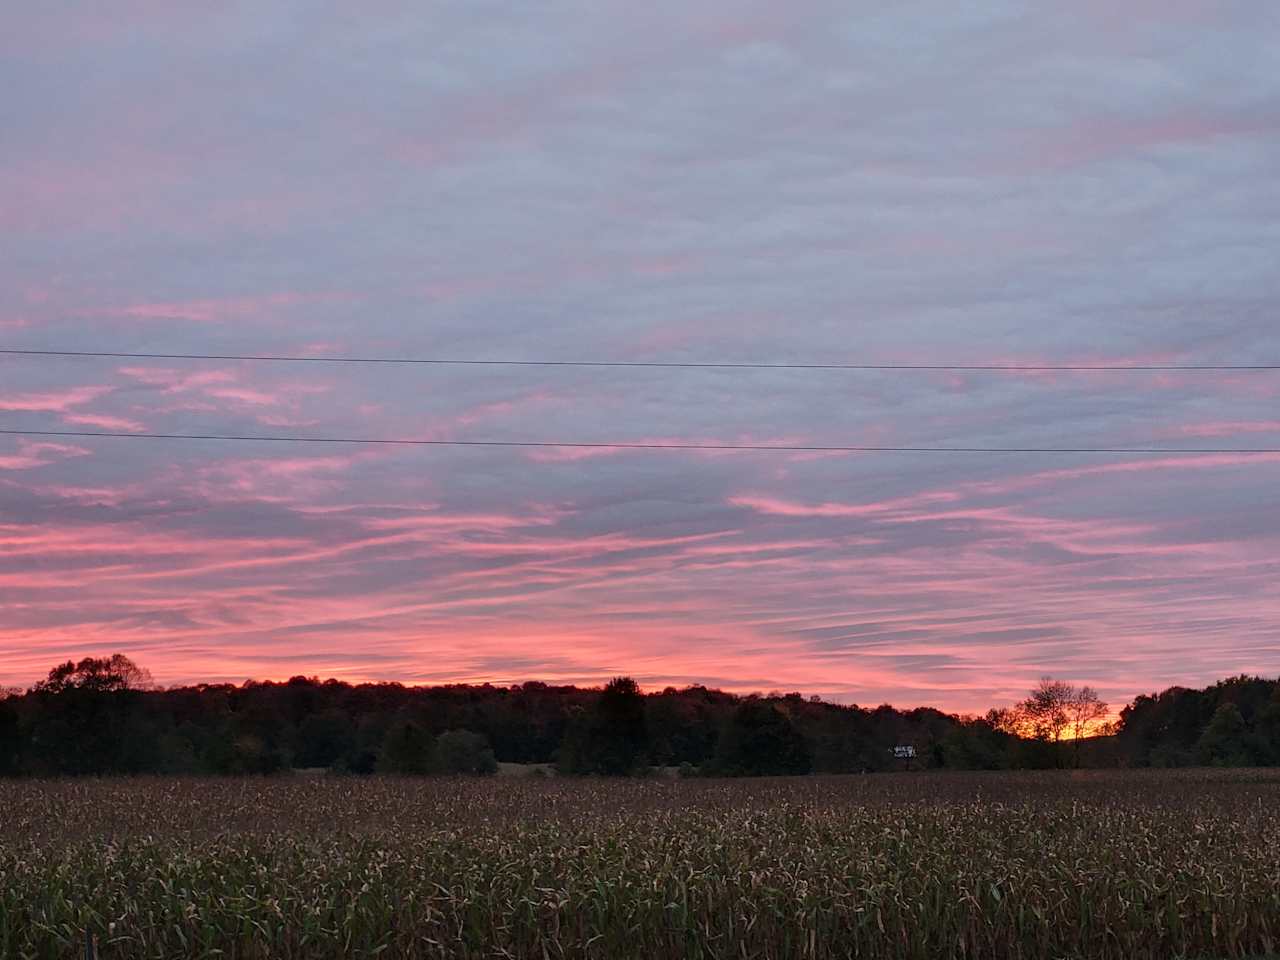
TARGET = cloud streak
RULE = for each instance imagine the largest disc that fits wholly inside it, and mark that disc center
(814, 183)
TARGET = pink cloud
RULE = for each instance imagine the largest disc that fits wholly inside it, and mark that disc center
(1224, 428)
(1101, 139)
(499, 409)
(433, 518)
(31, 455)
(719, 605)
(53, 402)
(281, 479)
(218, 309)
(571, 454)
(257, 398)
(787, 508)
(90, 495)
(224, 384)
(1143, 465)
(104, 421)
(178, 381)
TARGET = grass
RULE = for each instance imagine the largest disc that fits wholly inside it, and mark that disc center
(1020, 865)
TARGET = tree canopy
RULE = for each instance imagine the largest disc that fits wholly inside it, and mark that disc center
(105, 715)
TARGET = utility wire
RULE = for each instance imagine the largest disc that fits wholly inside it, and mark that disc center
(656, 364)
(756, 447)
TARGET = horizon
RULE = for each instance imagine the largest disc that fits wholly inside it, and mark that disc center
(724, 202)
(1111, 715)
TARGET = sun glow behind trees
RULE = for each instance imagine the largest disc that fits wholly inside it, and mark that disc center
(1056, 711)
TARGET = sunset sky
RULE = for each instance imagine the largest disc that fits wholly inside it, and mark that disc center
(829, 182)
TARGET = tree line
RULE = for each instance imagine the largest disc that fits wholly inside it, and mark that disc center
(103, 716)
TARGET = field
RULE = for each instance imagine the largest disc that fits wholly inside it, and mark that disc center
(1091, 864)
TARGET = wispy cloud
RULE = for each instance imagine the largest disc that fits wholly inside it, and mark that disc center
(981, 184)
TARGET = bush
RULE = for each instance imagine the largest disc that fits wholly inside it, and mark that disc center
(464, 752)
(407, 749)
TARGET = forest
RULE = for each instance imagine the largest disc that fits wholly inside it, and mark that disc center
(104, 716)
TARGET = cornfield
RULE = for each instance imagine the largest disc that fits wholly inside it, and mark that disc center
(1017, 865)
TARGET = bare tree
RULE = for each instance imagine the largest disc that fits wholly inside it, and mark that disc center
(1006, 720)
(1056, 709)
(1046, 712)
(1084, 710)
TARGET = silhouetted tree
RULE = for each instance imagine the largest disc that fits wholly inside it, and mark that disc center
(612, 737)
(1084, 710)
(87, 718)
(1267, 730)
(621, 736)
(407, 749)
(1165, 729)
(323, 738)
(1223, 742)
(367, 737)
(682, 728)
(105, 716)
(1044, 713)
(10, 739)
(975, 745)
(1052, 710)
(760, 740)
(111, 674)
(250, 753)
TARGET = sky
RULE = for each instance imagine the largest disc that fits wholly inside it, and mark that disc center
(829, 182)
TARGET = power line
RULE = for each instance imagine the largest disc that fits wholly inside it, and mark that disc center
(657, 364)
(573, 444)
